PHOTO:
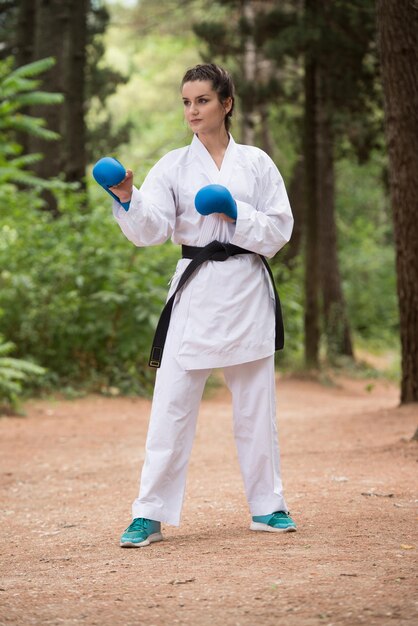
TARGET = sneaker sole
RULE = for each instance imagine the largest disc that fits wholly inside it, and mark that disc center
(270, 529)
(150, 539)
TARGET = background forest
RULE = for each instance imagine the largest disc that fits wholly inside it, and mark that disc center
(84, 79)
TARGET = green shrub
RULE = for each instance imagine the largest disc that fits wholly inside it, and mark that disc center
(14, 374)
(77, 297)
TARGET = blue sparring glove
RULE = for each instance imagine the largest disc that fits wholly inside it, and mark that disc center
(215, 199)
(109, 172)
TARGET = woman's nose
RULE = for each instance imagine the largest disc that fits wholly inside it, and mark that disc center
(194, 109)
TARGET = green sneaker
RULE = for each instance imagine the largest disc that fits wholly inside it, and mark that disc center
(278, 522)
(140, 533)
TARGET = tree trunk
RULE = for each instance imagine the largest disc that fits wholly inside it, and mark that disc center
(25, 32)
(336, 325)
(311, 232)
(398, 35)
(51, 39)
(73, 128)
(25, 35)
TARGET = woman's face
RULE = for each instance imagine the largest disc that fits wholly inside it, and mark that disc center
(202, 109)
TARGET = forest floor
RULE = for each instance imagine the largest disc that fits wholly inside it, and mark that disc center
(68, 473)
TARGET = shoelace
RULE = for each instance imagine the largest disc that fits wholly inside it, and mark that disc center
(139, 523)
(278, 515)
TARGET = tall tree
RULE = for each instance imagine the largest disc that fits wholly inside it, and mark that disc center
(25, 32)
(398, 37)
(335, 321)
(312, 333)
(51, 39)
(73, 117)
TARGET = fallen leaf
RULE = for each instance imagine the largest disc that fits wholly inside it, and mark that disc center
(405, 546)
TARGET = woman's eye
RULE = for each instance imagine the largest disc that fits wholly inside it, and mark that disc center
(186, 103)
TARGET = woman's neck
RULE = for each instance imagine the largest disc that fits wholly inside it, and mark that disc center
(215, 143)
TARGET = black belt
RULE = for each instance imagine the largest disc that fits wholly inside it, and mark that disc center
(214, 251)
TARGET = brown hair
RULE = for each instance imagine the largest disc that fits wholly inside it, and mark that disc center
(221, 81)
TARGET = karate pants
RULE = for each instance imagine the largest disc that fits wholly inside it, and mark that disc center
(171, 431)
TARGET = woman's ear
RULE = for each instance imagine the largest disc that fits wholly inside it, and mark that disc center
(227, 105)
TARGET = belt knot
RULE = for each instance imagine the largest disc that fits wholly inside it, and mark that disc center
(221, 254)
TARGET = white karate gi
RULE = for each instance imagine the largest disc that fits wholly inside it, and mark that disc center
(224, 317)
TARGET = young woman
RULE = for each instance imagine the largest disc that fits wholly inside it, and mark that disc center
(225, 314)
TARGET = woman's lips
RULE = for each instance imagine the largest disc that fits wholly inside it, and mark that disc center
(193, 121)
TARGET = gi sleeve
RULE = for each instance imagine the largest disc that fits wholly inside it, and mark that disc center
(267, 226)
(151, 216)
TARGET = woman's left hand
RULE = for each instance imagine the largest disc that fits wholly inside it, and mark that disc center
(226, 218)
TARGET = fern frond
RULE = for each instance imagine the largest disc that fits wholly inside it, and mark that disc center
(10, 374)
(38, 97)
(30, 125)
(19, 366)
(20, 177)
(10, 87)
(13, 373)
(26, 160)
(9, 389)
(10, 148)
(33, 69)
(7, 108)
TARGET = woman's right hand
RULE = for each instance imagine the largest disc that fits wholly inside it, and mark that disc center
(124, 189)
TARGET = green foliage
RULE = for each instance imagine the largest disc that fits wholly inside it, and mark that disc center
(18, 89)
(14, 373)
(76, 297)
(288, 283)
(366, 251)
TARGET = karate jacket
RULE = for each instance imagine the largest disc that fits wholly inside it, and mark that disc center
(225, 313)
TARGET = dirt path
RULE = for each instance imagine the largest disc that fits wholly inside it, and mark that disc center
(68, 473)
